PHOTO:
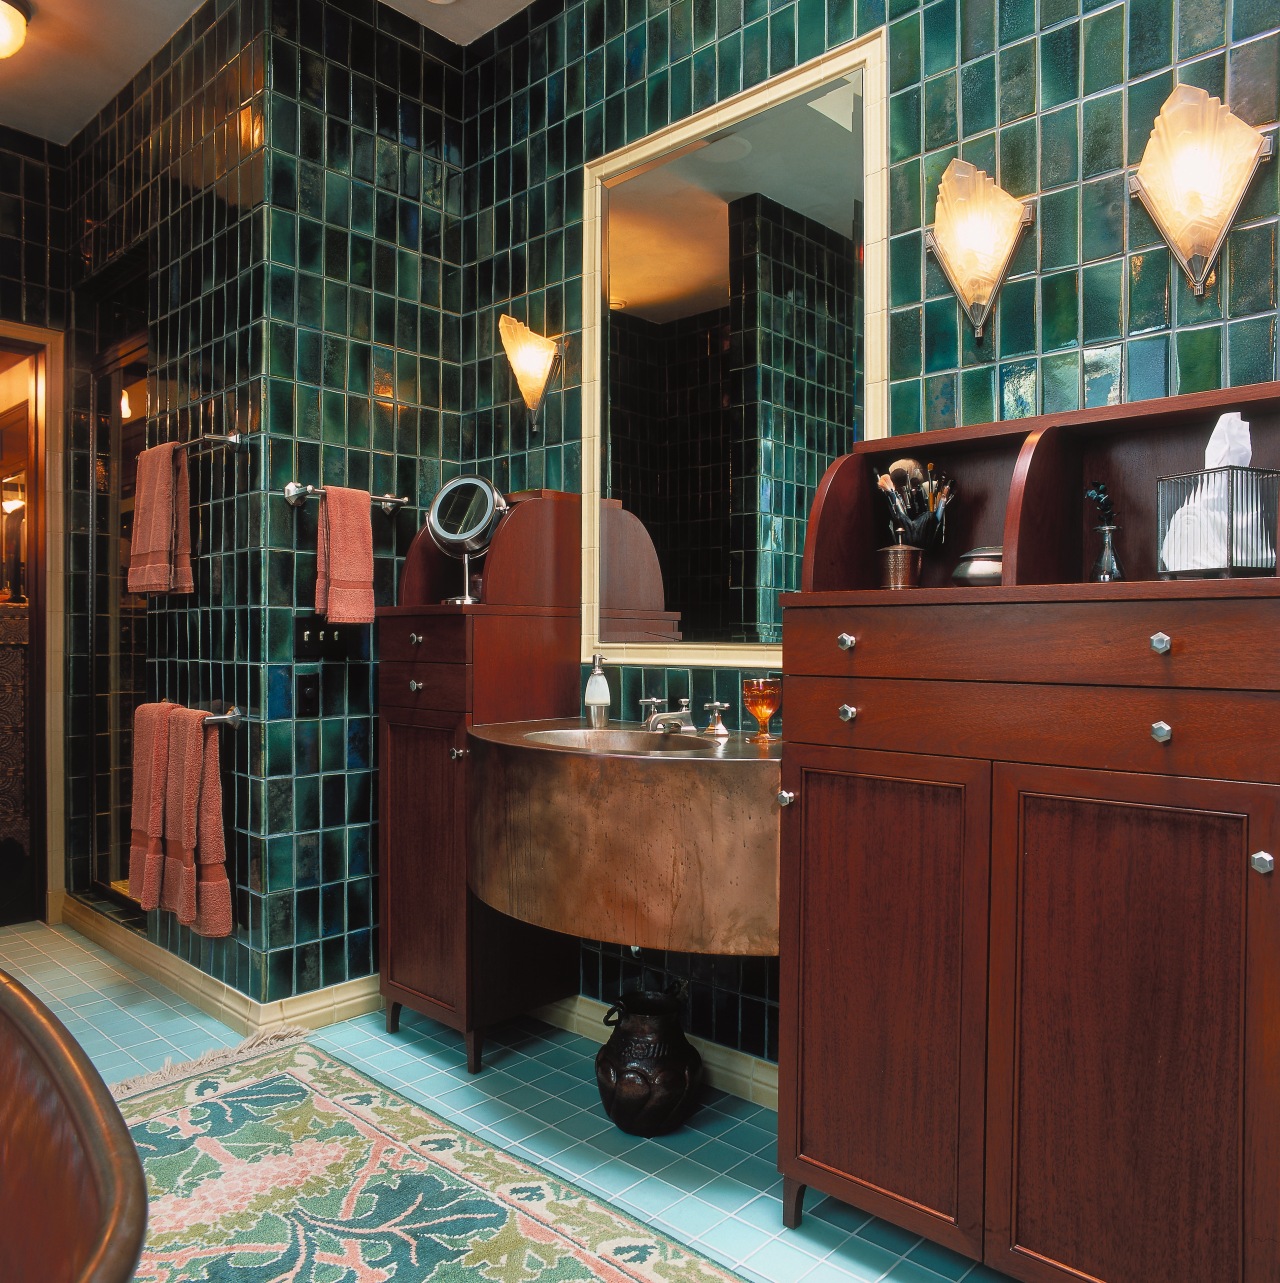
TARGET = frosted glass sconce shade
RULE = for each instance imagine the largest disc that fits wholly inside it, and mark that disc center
(533, 361)
(14, 16)
(1198, 164)
(976, 228)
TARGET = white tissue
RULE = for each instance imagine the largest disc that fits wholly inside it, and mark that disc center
(1199, 537)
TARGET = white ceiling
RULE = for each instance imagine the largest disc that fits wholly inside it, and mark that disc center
(80, 53)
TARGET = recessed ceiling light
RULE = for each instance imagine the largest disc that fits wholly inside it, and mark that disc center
(14, 16)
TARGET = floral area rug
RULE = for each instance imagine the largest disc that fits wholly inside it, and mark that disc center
(287, 1166)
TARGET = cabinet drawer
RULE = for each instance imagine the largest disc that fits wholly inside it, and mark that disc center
(1215, 734)
(1230, 643)
(431, 639)
(438, 686)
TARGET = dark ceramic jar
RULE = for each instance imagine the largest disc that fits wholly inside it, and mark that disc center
(648, 1072)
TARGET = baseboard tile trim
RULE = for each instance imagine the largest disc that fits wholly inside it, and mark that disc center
(739, 1074)
(214, 997)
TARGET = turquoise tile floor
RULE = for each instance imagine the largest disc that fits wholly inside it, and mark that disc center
(713, 1184)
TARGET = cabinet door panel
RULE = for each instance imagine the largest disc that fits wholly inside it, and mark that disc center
(1119, 1088)
(885, 903)
(423, 875)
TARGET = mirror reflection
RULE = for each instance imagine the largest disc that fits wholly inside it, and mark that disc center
(734, 361)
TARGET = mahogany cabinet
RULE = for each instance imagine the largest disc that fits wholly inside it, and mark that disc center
(511, 656)
(1030, 932)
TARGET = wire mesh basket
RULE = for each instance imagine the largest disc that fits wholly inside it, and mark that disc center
(1217, 523)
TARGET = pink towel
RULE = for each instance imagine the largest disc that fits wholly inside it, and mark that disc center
(344, 557)
(182, 803)
(160, 554)
(150, 770)
(213, 888)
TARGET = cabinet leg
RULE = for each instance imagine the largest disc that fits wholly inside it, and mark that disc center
(393, 1017)
(474, 1040)
(792, 1201)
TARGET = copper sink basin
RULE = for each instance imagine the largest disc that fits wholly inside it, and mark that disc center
(668, 841)
(585, 739)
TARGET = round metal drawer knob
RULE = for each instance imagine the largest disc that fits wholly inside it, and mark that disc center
(846, 712)
(1161, 732)
(846, 641)
(1161, 642)
(786, 797)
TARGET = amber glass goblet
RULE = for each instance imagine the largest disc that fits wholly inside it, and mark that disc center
(762, 697)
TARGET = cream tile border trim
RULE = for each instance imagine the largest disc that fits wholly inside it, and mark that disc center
(867, 55)
(733, 1071)
(241, 1013)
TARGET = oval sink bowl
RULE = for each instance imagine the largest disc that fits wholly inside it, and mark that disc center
(585, 739)
(621, 834)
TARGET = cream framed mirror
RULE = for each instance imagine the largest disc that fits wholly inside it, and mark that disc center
(864, 57)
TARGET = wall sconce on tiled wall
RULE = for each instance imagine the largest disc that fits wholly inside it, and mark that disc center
(1199, 162)
(976, 229)
(534, 360)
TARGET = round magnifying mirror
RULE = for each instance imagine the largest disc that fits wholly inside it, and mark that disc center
(462, 519)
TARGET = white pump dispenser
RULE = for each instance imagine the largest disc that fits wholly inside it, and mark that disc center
(597, 695)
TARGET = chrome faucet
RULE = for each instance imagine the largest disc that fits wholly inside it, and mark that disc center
(665, 720)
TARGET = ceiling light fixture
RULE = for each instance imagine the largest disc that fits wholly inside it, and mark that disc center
(533, 360)
(14, 16)
(1195, 171)
(976, 229)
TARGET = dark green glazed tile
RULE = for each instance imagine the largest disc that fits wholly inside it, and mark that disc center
(905, 254)
(978, 97)
(1102, 290)
(904, 343)
(1103, 135)
(811, 29)
(898, 7)
(1018, 390)
(1059, 220)
(1102, 375)
(904, 197)
(1209, 74)
(1251, 255)
(1190, 310)
(940, 402)
(1060, 65)
(1202, 26)
(1148, 373)
(904, 408)
(1251, 351)
(1053, 12)
(977, 395)
(904, 125)
(941, 335)
(782, 40)
(940, 111)
(729, 66)
(1018, 152)
(755, 53)
(1017, 96)
(1144, 101)
(1150, 36)
(1059, 311)
(1142, 230)
(1102, 211)
(1252, 18)
(936, 284)
(1060, 380)
(870, 14)
(1149, 290)
(1253, 83)
(1102, 55)
(1059, 148)
(977, 29)
(939, 37)
(904, 53)
(1017, 306)
(1198, 364)
(1017, 18)
(981, 152)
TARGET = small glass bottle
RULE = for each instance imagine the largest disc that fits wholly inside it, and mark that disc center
(1107, 569)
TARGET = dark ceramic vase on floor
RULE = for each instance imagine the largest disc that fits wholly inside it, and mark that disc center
(648, 1072)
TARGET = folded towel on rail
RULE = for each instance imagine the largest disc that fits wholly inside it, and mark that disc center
(213, 888)
(344, 557)
(150, 781)
(182, 804)
(160, 553)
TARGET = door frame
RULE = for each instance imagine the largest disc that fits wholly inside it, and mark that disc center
(46, 532)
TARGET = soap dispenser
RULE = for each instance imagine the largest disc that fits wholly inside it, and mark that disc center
(597, 697)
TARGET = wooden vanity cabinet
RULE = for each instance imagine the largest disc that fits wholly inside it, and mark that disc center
(1030, 993)
(511, 656)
